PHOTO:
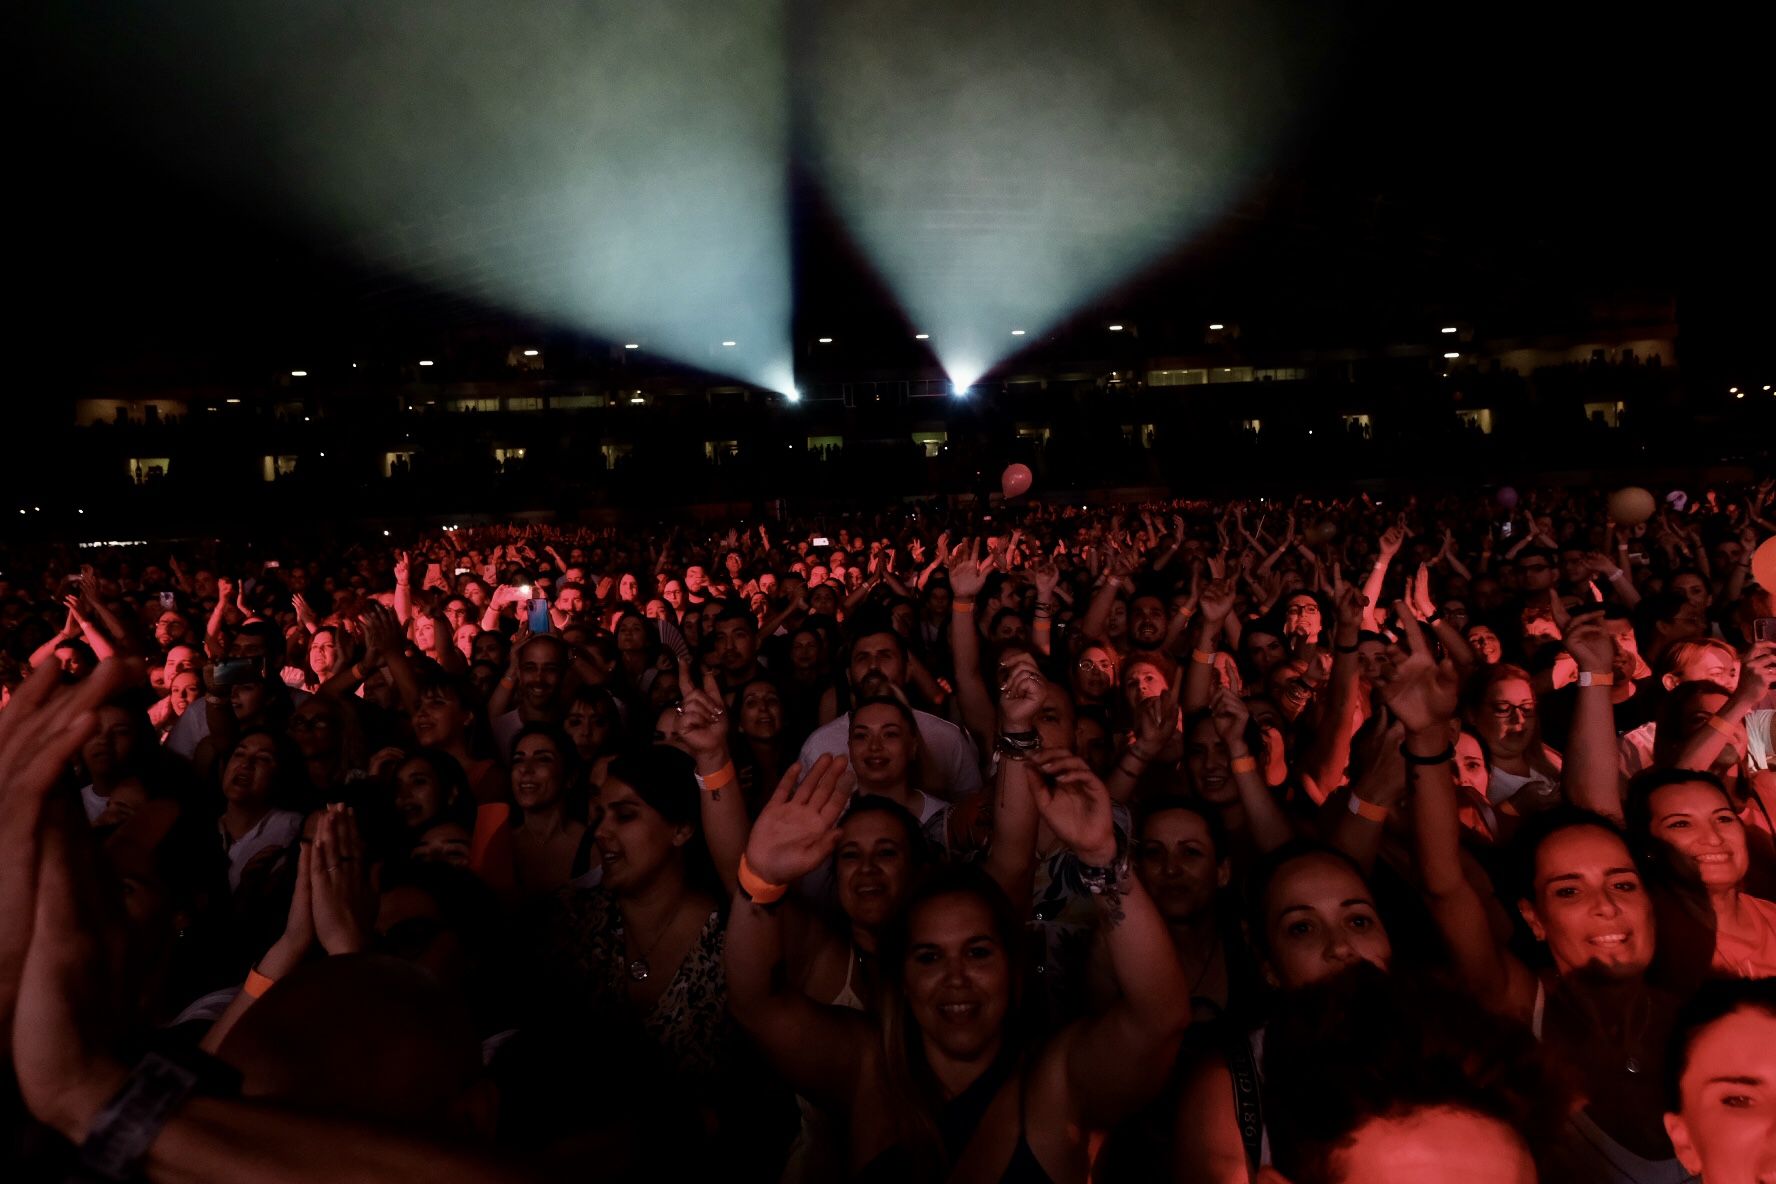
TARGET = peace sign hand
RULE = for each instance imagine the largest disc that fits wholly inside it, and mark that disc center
(703, 721)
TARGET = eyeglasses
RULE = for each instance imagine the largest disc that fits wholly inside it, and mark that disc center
(1508, 710)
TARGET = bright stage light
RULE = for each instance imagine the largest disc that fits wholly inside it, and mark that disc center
(231, 400)
(729, 344)
(632, 345)
(921, 337)
(1449, 329)
(963, 375)
(298, 374)
(1017, 332)
(1010, 171)
(826, 341)
(425, 363)
(1216, 328)
(614, 168)
(530, 353)
(1115, 328)
(1452, 354)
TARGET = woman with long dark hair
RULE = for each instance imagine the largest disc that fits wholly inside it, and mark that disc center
(946, 1083)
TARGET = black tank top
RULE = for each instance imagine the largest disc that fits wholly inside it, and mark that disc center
(960, 1119)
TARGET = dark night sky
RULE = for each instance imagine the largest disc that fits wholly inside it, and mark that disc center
(1513, 159)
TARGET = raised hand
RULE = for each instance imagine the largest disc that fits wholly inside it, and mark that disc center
(42, 726)
(1393, 538)
(1021, 696)
(1421, 691)
(703, 721)
(339, 884)
(1591, 645)
(1418, 594)
(1156, 722)
(1557, 607)
(304, 614)
(1350, 603)
(797, 830)
(1229, 716)
(66, 986)
(1216, 602)
(382, 633)
(968, 575)
(1075, 805)
(224, 589)
(1378, 768)
(1757, 673)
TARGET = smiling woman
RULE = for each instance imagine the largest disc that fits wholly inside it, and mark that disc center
(1694, 843)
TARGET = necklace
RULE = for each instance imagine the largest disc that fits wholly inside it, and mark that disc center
(637, 966)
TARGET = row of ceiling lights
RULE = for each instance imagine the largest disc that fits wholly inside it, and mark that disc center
(1214, 327)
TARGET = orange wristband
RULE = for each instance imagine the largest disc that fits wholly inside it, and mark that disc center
(1369, 810)
(959, 605)
(720, 779)
(1203, 657)
(1244, 764)
(1722, 726)
(256, 985)
(757, 889)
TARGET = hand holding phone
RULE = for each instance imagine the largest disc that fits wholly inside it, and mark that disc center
(539, 616)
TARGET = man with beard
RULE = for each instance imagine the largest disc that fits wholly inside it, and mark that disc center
(876, 664)
(537, 667)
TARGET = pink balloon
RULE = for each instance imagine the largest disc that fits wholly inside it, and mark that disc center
(1015, 481)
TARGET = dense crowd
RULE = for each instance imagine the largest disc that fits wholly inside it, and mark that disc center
(1311, 841)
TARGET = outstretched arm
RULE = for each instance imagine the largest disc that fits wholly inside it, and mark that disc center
(1116, 1061)
(819, 1049)
(1011, 857)
(967, 577)
(1213, 609)
(703, 723)
(1422, 693)
(1592, 772)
